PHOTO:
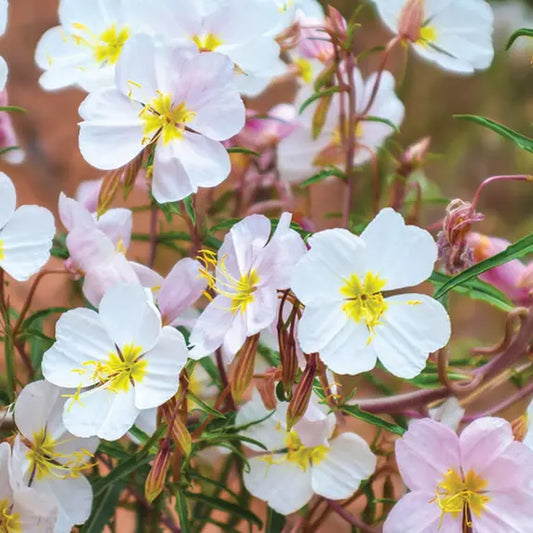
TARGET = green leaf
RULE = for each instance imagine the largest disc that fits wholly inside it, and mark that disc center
(274, 521)
(386, 121)
(523, 142)
(242, 150)
(317, 96)
(183, 511)
(322, 175)
(522, 32)
(12, 108)
(231, 508)
(202, 406)
(9, 149)
(43, 313)
(189, 208)
(519, 249)
(476, 290)
(103, 509)
(356, 412)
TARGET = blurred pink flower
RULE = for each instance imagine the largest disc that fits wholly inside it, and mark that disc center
(8, 137)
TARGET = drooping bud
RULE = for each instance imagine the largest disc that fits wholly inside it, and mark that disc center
(155, 482)
(337, 24)
(411, 20)
(300, 399)
(108, 191)
(266, 386)
(175, 416)
(287, 352)
(244, 369)
(454, 250)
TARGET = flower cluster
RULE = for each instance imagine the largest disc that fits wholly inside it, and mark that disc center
(247, 365)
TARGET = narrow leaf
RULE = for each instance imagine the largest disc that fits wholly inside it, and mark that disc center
(356, 412)
(522, 32)
(322, 175)
(317, 96)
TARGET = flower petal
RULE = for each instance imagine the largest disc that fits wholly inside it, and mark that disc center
(8, 199)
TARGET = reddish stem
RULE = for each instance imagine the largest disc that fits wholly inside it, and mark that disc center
(519, 177)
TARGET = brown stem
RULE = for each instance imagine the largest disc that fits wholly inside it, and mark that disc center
(224, 378)
(152, 240)
(351, 519)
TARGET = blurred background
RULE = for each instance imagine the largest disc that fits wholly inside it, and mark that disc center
(463, 153)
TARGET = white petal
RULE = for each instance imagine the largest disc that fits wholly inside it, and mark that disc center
(117, 225)
(413, 326)
(101, 412)
(26, 241)
(164, 363)
(348, 462)
(402, 255)
(319, 325)
(129, 317)
(284, 485)
(80, 337)
(112, 133)
(8, 199)
(4, 71)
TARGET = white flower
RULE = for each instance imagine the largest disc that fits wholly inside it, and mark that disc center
(455, 34)
(301, 157)
(119, 359)
(248, 273)
(50, 457)
(25, 234)
(245, 33)
(22, 509)
(4, 6)
(293, 471)
(448, 412)
(84, 49)
(348, 320)
(290, 9)
(181, 102)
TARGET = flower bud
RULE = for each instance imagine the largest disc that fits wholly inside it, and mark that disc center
(337, 23)
(300, 399)
(155, 482)
(244, 369)
(175, 418)
(411, 20)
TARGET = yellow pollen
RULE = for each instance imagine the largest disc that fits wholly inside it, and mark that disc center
(207, 43)
(458, 494)
(305, 69)
(285, 6)
(300, 454)
(364, 301)
(120, 371)
(1, 250)
(46, 461)
(162, 119)
(220, 280)
(9, 523)
(107, 46)
(428, 34)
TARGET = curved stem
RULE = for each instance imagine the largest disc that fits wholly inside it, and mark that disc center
(518, 177)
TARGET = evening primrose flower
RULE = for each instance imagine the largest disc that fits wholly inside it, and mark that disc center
(480, 479)
(248, 272)
(348, 319)
(292, 471)
(119, 360)
(456, 34)
(300, 156)
(51, 458)
(173, 99)
(243, 33)
(22, 509)
(26, 234)
(84, 49)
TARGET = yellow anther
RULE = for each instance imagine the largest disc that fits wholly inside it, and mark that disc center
(428, 34)
(9, 521)
(208, 42)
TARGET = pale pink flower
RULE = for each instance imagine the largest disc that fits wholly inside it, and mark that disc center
(481, 478)
(8, 138)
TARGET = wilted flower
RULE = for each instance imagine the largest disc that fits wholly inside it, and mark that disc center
(348, 319)
(294, 469)
(457, 34)
(119, 359)
(480, 479)
(25, 234)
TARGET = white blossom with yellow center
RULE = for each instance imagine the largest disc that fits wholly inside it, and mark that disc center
(118, 360)
(349, 319)
(243, 280)
(172, 100)
(298, 464)
(454, 34)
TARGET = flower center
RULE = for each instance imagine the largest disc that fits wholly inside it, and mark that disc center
(305, 69)
(428, 34)
(207, 43)
(162, 119)
(46, 461)
(364, 301)
(301, 455)
(239, 290)
(9, 523)
(120, 371)
(458, 494)
(107, 46)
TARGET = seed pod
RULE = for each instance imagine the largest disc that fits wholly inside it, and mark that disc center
(155, 482)
(244, 369)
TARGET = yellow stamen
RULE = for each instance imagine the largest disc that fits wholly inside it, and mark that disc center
(46, 461)
(9, 522)
(162, 119)
(428, 34)
(1, 250)
(220, 280)
(207, 43)
(364, 301)
(107, 46)
(305, 69)
(300, 454)
(457, 494)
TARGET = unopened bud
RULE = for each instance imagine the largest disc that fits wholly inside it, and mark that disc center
(411, 20)
(244, 369)
(155, 482)
(108, 191)
(175, 417)
(300, 399)
(520, 426)
(337, 23)
(267, 388)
